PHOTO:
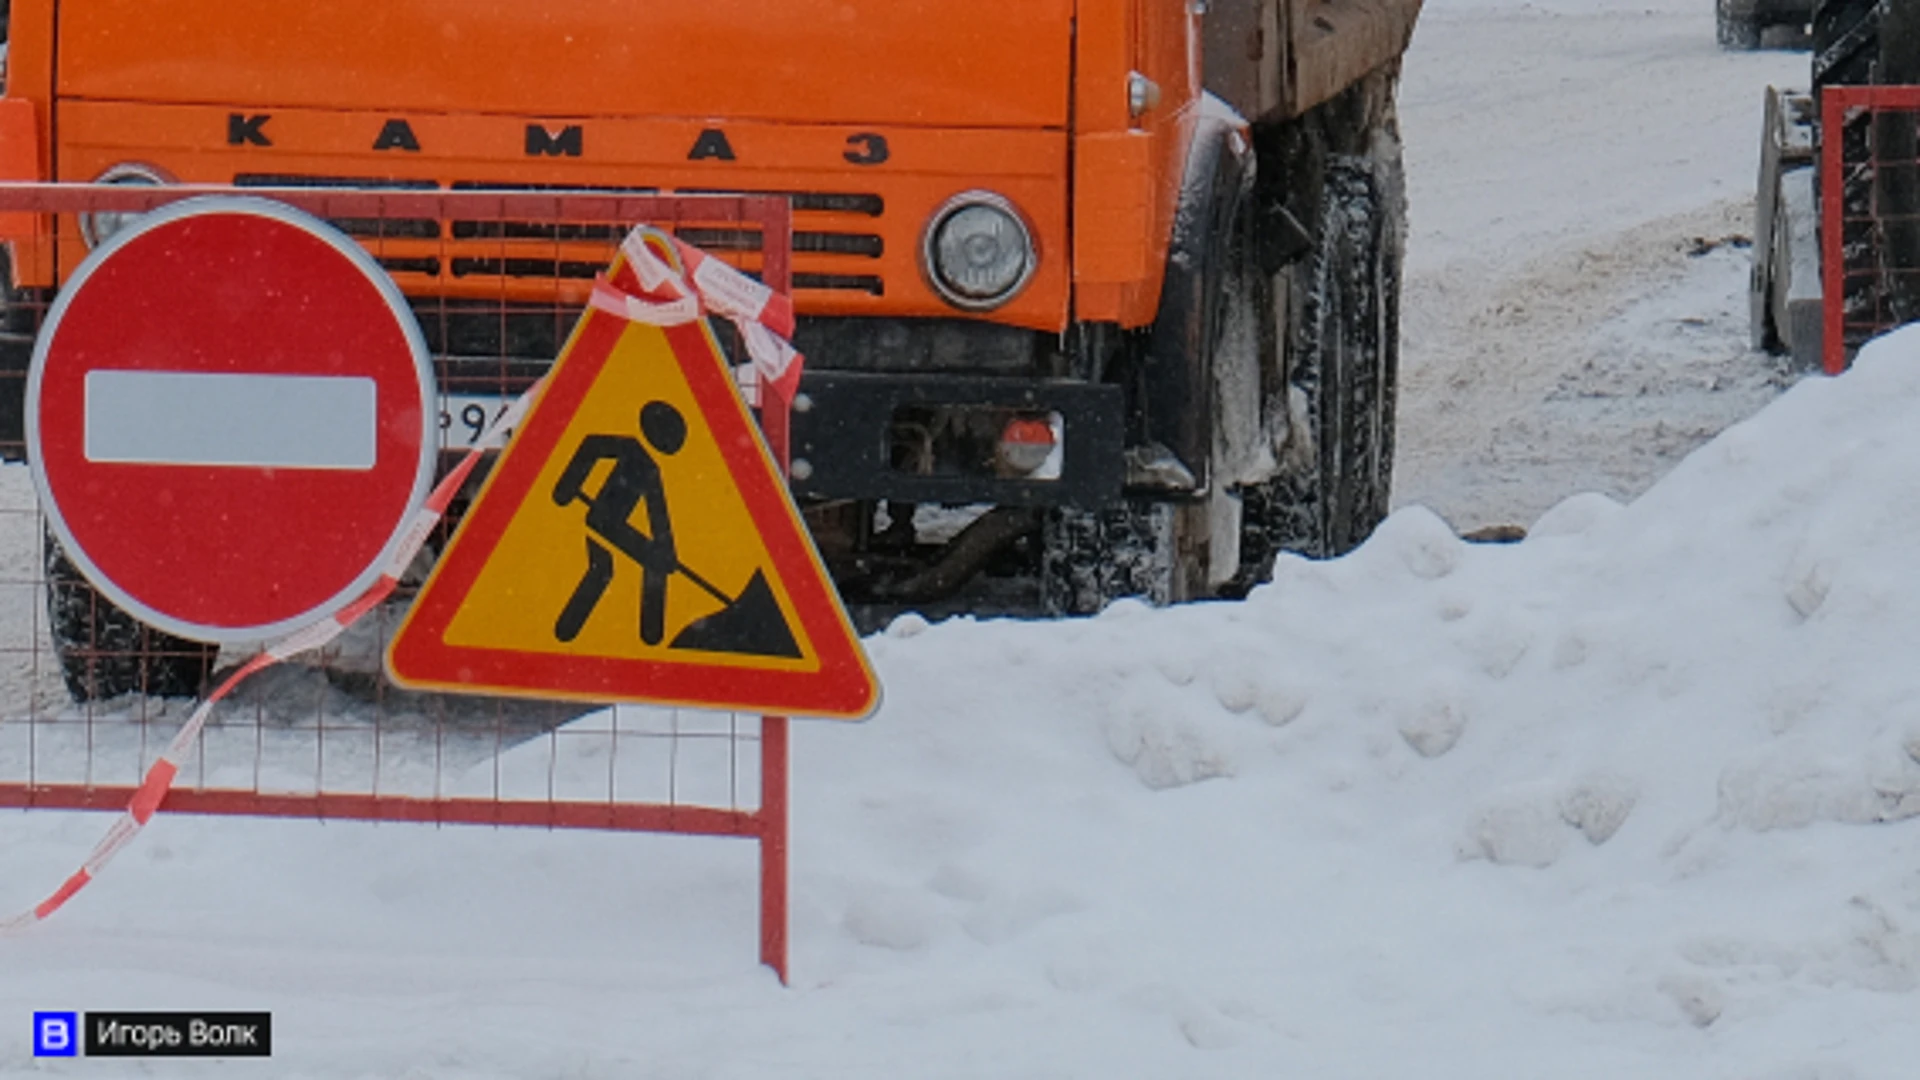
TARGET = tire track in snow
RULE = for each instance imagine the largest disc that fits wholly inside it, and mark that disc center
(1595, 369)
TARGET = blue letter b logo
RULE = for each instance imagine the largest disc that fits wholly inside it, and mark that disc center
(56, 1034)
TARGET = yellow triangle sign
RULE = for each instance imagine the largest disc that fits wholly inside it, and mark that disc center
(635, 543)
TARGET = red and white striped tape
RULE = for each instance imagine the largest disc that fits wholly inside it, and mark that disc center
(670, 300)
(764, 317)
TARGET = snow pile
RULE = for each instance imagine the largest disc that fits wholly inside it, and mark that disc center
(1626, 799)
(1681, 710)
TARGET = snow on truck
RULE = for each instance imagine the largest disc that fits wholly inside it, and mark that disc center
(1121, 276)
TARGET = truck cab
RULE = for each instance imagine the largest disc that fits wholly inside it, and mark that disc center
(1098, 297)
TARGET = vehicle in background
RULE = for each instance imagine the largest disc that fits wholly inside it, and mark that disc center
(1100, 298)
(1855, 43)
(1743, 24)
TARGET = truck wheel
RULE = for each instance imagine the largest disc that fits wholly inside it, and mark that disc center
(1090, 558)
(105, 652)
(1341, 372)
(1741, 32)
(1164, 550)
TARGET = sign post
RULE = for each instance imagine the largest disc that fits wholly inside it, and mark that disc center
(636, 542)
(776, 413)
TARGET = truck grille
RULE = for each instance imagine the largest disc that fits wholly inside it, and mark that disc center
(833, 247)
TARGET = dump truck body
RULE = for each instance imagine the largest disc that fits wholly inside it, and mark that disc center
(1276, 59)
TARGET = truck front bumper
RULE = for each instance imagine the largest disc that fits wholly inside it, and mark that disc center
(848, 431)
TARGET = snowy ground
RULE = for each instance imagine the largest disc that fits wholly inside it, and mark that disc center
(1629, 799)
(1563, 161)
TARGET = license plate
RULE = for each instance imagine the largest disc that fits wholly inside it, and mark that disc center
(464, 418)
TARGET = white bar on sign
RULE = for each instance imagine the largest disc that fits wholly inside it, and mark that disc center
(259, 421)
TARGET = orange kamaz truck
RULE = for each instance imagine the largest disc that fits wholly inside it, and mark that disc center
(1099, 298)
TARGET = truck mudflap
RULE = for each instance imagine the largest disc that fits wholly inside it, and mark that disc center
(1174, 399)
(938, 438)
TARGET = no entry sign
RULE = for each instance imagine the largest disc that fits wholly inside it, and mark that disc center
(227, 417)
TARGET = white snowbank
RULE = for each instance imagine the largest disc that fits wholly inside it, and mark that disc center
(1626, 799)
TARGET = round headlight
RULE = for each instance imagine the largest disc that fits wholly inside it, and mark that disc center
(978, 251)
(98, 225)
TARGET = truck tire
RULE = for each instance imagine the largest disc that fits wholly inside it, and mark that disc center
(1322, 241)
(1738, 32)
(1342, 366)
(1337, 380)
(1090, 558)
(105, 652)
(1162, 548)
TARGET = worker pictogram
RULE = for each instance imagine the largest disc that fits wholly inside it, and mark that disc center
(634, 543)
(750, 623)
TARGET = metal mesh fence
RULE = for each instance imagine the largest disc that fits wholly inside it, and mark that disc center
(89, 698)
(1870, 214)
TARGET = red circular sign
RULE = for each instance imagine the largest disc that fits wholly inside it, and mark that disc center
(227, 418)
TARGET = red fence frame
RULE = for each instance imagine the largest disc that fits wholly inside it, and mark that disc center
(1835, 102)
(769, 822)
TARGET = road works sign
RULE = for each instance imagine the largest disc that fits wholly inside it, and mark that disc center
(634, 543)
(227, 419)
